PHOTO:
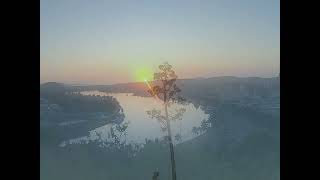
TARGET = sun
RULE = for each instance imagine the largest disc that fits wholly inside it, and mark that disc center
(143, 74)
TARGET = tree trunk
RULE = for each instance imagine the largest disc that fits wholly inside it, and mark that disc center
(173, 163)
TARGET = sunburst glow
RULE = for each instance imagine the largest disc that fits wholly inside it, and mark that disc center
(147, 83)
(143, 74)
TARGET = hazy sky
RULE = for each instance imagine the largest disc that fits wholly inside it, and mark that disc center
(104, 42)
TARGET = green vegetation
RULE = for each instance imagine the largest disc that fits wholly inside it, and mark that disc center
(73, 102)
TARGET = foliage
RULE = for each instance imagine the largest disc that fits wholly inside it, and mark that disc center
(75, 102)
(168, 92)
(205, 125)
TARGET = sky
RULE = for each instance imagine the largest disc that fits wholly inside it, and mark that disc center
(107, 42)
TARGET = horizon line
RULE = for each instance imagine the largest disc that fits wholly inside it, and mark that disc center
(130, 82)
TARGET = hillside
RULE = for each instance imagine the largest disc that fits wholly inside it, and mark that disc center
(254, 92)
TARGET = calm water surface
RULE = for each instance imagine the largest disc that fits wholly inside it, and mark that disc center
(141, 126)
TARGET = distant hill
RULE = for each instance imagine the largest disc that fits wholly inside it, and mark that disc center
(232, 87)
(222, 82)
(52, 85)
(245, 91)
(225, 88)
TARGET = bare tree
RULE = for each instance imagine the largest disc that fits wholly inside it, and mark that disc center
(167, 91)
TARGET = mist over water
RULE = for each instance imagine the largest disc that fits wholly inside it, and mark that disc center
(140, 126)
(242, 141)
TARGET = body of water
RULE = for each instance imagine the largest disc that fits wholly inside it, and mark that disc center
(139, 125)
